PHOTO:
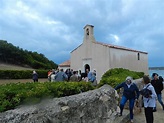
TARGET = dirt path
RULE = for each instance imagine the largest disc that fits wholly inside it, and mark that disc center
(5, 66)
(5, 81)
(158, 116)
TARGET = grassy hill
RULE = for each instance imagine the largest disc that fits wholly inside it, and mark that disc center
(11, 54)
(4, 66)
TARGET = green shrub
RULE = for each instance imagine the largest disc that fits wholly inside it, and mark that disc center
(115, 76)
(14, 94)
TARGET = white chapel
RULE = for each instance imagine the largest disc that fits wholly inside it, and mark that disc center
(101, 57)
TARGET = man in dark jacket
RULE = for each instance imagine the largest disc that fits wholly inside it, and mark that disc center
(131, 93)
(158, 86)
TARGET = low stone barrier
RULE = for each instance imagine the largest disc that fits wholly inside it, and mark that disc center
(96, 106)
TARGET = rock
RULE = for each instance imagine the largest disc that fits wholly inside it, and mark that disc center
(95, 106)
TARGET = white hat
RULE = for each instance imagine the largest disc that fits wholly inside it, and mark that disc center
(129, 78)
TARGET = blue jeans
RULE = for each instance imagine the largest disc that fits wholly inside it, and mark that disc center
(160, 99)
(131, 105)
(159, 96)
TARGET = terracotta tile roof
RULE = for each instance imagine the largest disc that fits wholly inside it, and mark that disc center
(119, 47)
(113, 46)
(65, 64)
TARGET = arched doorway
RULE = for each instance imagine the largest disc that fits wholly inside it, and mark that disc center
(86, 67)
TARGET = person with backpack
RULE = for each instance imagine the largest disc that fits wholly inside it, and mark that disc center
(131, 93)
(158, 86)
(149, 100)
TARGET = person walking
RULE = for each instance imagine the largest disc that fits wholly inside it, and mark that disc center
(150, 101)
(158, 86)
(35, 76)
(131, 93)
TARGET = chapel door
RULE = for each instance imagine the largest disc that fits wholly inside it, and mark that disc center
(86, 67)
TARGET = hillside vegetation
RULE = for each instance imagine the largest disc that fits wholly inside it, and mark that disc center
(10, 54)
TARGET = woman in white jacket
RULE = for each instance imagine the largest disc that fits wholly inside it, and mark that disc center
(149, 102)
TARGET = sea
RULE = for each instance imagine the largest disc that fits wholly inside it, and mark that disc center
(159, 72)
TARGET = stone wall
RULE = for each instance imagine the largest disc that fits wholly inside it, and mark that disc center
(96, 106)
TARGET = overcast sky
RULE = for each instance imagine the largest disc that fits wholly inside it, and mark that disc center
(55, 27)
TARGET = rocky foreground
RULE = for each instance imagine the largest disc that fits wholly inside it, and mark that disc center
(96, 106)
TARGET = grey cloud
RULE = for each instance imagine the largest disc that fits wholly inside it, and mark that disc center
(55, 27)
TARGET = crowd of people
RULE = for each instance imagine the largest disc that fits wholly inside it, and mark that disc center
(71, 75)
(131, 92)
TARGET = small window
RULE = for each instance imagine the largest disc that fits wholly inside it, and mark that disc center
(87, 31)
(138, 56)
